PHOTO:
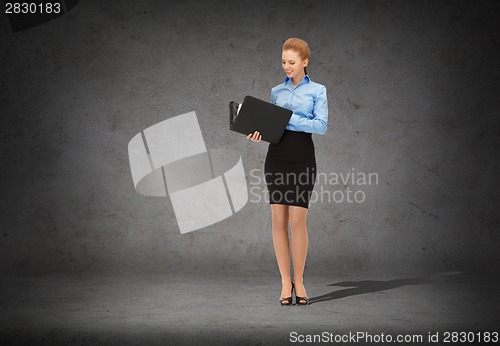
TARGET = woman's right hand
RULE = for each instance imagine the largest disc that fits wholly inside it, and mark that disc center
(256, 136)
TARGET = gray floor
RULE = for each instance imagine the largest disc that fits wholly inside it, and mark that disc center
(240, 308)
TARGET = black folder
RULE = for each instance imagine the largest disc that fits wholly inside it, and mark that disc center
(258, 115)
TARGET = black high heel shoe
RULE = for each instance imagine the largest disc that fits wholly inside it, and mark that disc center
(287, 299)
(301, 300)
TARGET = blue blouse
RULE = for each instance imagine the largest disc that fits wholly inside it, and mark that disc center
(309, 104)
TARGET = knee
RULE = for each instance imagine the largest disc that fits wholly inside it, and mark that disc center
(297, 222)
(280, 223)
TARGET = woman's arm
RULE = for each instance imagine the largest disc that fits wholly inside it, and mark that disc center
(318, 124)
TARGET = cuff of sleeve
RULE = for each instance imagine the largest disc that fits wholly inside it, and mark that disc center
(294, 119)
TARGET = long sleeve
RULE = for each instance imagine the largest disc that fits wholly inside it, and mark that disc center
(318, 124)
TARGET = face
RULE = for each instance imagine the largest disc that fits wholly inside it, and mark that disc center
(292, 63)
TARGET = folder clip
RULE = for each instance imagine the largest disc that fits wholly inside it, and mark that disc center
(233, 112)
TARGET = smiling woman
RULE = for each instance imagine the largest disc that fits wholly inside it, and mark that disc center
(295, 51)
(294, 158)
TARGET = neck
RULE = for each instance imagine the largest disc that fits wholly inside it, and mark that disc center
(297, 79)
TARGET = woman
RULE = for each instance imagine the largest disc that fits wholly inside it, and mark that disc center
(290, 166)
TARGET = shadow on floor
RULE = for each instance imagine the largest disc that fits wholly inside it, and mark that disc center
(369, 286)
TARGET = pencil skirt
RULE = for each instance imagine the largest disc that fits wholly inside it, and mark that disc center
(290, 169)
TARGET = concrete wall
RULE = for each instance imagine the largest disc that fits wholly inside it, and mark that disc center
(413, 97)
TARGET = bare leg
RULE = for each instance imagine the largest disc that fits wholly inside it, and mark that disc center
(300, 241)
(282, 245)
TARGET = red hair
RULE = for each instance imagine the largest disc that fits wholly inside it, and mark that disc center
(299, 46)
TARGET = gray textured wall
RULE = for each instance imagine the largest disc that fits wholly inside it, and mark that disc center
(413, 96)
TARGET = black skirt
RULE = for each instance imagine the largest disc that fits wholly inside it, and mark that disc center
(290, 169)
